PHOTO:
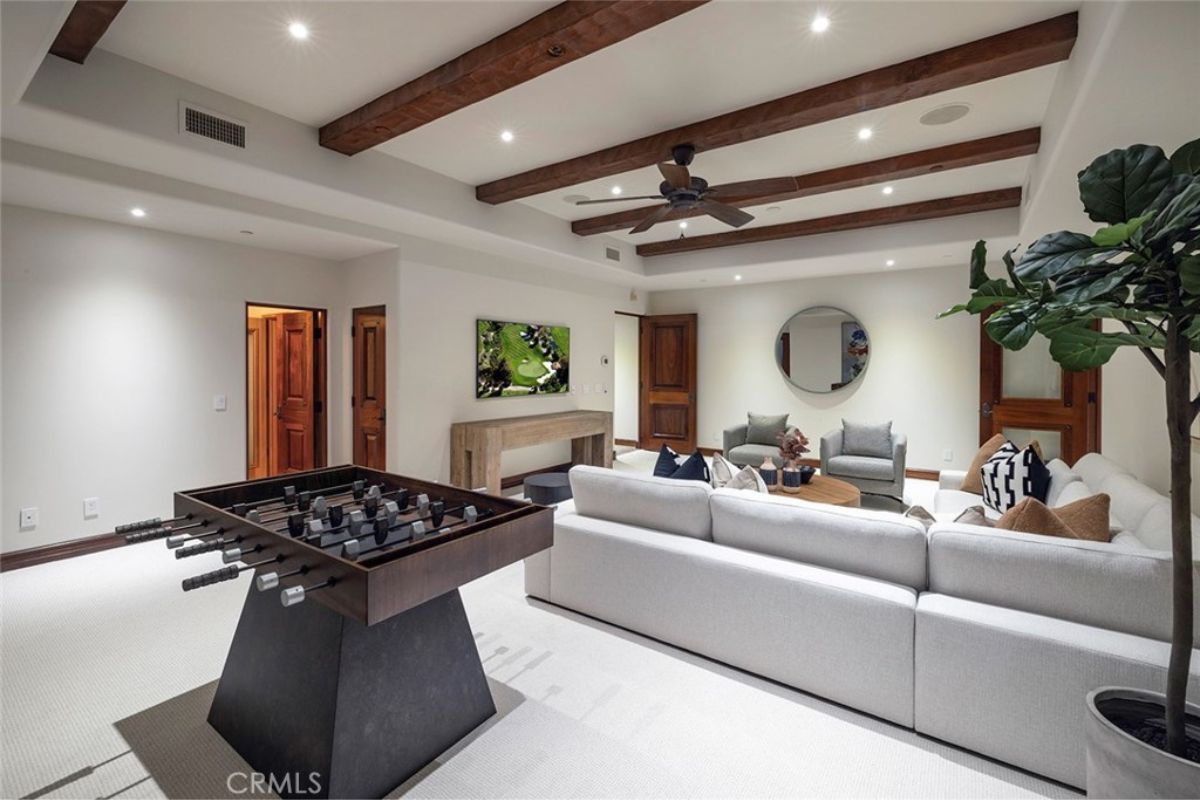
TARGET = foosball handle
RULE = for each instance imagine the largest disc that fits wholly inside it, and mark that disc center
(148, 535)
(197, 549)
(209, 578)
(130, 527)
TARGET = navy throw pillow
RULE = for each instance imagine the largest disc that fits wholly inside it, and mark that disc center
(667, 462)
(694, 469)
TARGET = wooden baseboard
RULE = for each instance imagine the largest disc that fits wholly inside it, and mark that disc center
(626, 442)
(513, 481)
(33, 556)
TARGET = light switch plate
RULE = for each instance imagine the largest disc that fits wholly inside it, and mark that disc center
(91, 507)
(947, 455)
(29, 518)
(220, 402)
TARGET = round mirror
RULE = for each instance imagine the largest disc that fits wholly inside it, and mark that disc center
(822, 349)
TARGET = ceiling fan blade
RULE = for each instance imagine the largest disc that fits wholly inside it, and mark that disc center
(619, 199)
(652, 220)
(727, 214)
(764, 186)
(677, 176)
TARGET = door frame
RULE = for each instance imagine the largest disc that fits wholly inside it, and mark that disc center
(637, 442)
(379, 310)
(320, 375)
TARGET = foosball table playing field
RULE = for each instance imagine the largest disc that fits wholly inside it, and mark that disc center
(353, 664)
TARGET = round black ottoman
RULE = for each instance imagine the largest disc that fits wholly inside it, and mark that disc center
(548, 488)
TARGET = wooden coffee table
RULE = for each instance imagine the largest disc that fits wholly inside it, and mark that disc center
(823, 490)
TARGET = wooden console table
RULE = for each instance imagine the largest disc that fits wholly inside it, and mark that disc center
(475, 447)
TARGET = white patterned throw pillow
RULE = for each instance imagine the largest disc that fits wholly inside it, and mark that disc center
(1011, 475)
(748, 480)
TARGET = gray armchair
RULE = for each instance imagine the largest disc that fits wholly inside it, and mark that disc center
(742, 453)
(866, 467)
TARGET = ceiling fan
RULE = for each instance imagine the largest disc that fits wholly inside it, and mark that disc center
(682, 191)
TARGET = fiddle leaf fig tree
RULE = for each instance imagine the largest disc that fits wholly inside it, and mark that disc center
(1133, 283)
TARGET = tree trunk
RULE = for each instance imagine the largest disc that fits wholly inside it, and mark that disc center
(1177, 360)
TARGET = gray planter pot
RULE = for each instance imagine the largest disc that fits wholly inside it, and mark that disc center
(1120, 766)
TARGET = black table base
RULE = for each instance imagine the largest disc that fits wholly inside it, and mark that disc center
(324, 706)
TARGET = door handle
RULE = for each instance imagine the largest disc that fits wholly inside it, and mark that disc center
(279, 412)
(986, 409)
(383, 415)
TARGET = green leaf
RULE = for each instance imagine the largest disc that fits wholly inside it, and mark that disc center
(952, 310)
(1177, 218)
(1057, 253)
(1010, 328)
(979, 264)
(991, 293)
(1189, 274)
(1088, 286)
(1011, 268)
(1117, 234)
(1081, 348)
(1121, 184)
(1186, 160)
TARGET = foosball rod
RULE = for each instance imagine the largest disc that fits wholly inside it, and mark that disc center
(309, 504)
(321, 509)
(296, 594)
(270, 580)
(298, 522)
(207, 547)
(290, 497)
(371, 527)
(382, 548)
(153, 522)
(150, 534)
(224, 574)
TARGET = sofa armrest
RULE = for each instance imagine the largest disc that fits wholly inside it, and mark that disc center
(831, 445)
(733, 437)
(899, 453)
(951, 479)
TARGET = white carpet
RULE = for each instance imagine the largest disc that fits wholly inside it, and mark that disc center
(587, 710)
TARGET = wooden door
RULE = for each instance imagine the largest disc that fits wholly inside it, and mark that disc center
(369, 400)
(1025, 395)
(293, 388)
(667, 382)
(258, 410)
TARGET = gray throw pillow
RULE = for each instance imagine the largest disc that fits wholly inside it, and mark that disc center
(765, 428)
(861, 439)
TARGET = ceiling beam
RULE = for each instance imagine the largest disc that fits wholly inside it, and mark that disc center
(552, 39)
(909, 165)
(856, 220)
(85, 24)
(1006, 53)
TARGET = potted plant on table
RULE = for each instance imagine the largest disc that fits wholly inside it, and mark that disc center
(1139, 274)
(792, 446)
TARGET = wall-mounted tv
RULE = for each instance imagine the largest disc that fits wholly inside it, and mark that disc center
(514, 359)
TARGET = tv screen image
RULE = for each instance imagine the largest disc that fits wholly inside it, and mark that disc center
(514, 359)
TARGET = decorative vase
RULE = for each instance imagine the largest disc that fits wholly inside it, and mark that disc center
(767, 470)
(1121, 765)
(806, 474)
(791, 478)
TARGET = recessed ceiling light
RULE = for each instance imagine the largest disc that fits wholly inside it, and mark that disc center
(138, 212)
(506, 136)
(820, 23)
(891, 262)
(615, 190)
(683, 224)
(944, 115)
(737, 277)
(865, 133)
(298, 30)
(888, 189)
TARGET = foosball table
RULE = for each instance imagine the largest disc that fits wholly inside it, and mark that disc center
(353, 664)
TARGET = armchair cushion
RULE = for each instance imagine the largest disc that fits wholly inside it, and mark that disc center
(752, 454)
(733, 437)
(765, 428)
(873, 469)
(863, 439)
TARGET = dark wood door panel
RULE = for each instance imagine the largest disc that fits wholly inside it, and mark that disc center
(369, 400)
(667, 385)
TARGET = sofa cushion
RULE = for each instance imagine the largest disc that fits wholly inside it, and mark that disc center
(873, 543)
(1131, 499)
(872, 469)
(973, 481)
(1095, 469)
(867, 439)
(1061, 476)
(765, 428)
(752, 454)
(1092, 583)
(661, 504)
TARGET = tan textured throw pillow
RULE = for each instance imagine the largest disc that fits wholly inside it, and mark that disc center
(1085, 519)
(973, 483)
(975, 516)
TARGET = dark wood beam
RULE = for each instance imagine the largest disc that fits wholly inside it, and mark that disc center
(552, 39)
(856, 220)
(909, 165)
(1006, 53)
(86, 23)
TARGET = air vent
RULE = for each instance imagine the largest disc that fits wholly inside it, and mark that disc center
(612, 254)
(199, 122)
(944, 115)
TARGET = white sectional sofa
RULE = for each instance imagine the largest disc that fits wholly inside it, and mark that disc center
(986, 639)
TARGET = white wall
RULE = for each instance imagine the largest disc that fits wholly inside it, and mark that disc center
(115, 339)
(625, 378)
(923, 373)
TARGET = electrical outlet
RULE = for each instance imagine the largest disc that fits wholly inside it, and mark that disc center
(91, 507)
(947, 455)
(29, 518)
(220, 402)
